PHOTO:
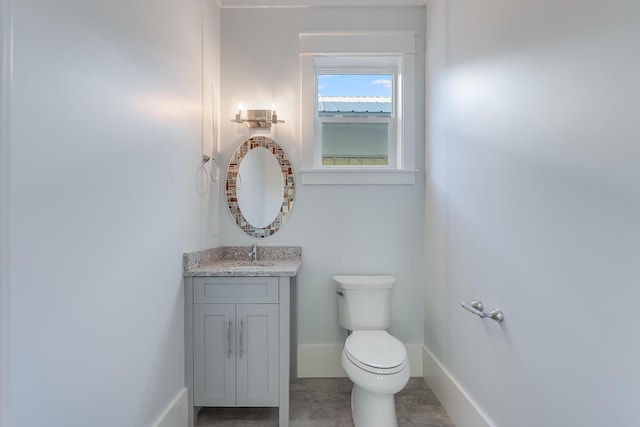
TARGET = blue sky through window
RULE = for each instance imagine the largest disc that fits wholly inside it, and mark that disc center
(354, 85)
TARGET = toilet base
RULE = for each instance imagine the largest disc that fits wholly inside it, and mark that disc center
(372, 409)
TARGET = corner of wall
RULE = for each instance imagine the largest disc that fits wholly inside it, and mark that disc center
(176, 413)
(5, 85)
(459, 406)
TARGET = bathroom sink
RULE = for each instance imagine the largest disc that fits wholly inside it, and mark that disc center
(272, 261)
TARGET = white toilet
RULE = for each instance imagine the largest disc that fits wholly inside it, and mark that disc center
(373, 359)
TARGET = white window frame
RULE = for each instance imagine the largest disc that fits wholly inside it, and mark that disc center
(340, 49)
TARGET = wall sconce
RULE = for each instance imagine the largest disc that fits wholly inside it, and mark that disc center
(258, 118)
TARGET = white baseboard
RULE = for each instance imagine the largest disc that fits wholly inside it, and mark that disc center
(320, 361)
(462, 409)
(175, 414)
(323, 360)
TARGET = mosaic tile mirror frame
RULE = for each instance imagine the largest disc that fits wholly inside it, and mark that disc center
(232, 183)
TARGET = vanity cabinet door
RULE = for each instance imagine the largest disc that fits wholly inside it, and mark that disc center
(214, 356)
(257, 354)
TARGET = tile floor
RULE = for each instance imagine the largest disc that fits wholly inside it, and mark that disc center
(325, 402)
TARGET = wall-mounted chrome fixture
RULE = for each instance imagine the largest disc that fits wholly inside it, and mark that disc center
(214, 164)
(258, 118)
(476, 308)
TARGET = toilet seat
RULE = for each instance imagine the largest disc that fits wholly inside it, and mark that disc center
(377, 352)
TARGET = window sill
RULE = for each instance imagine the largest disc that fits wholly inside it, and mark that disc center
(358, 176)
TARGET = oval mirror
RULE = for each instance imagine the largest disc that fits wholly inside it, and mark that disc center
(259, 187)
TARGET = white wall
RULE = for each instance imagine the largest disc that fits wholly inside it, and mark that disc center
(342, 229)
(104, 197)
(534, 178)
(5, 48)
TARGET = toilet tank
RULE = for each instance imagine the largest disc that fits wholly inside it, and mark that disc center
(364, 302)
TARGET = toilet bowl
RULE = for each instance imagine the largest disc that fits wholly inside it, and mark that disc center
(374, 360)
(377, 364)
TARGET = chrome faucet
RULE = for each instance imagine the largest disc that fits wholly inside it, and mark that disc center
(254, 253)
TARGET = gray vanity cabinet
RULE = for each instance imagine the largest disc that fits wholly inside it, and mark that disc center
(237, 332)
(235, 354)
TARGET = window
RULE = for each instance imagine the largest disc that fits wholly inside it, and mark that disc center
(356, 109)
(355, 118)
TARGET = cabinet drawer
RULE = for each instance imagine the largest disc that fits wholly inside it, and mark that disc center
(235, 289)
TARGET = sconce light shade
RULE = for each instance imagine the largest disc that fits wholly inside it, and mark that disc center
(258, 118)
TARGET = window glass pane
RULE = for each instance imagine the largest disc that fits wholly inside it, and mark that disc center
(355, 144)
(354, 95)
(355, 84)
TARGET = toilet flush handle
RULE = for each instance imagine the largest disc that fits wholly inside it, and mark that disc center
(339, 292)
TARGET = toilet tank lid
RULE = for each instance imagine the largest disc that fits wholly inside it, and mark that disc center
(368, 282)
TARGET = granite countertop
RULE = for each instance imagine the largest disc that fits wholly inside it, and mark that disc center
(233, 261)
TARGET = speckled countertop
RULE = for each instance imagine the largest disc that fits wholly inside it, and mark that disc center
(234, 261)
